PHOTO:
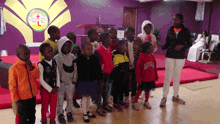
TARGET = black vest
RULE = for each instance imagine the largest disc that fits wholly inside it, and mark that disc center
(50, 73)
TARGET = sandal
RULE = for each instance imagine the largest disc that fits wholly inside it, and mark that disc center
(91, 115)
(101, 112)
(86, 118)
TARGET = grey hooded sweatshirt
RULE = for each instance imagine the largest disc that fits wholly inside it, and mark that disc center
(66, 68)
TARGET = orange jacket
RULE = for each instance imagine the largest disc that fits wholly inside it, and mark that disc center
(22, 83)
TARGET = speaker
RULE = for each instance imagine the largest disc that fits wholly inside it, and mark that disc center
(4, 67)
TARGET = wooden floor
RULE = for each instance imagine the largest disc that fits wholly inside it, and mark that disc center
(202, 107)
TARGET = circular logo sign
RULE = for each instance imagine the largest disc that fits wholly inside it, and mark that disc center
(38, 19)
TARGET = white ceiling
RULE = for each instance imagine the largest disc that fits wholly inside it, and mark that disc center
(175, 0)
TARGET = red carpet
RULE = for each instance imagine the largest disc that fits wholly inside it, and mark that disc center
(187, 75)
(5, 96)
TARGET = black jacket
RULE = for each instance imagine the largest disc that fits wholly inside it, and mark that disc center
(183, 38)
(88, 69)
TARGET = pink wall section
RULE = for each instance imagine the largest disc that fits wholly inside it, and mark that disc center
(111, 12)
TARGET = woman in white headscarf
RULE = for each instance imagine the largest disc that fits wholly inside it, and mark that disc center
(199, 43)
(147, 35)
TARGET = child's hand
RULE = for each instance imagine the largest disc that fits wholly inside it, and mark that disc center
(54, 90)
(29, 63)
(15, 107)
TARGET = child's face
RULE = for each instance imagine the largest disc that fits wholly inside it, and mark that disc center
(94, 36)
(147, 29)
(112, 32)
(129, 34)
(124, 48)
(108, 41)
(56, 34)
(72, 37)
(66, 47)
(48, 53)
(151, 49)
(88, 49)
(23, 54)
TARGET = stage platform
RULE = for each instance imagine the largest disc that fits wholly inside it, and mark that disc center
(192, 71)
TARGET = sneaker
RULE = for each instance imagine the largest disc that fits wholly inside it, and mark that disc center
(147, 105)
(136, 106)
(178, 100)
(52, 122)
(69, 117)
(117, 107)
(163, 102)
(75, 104)
(61, 118)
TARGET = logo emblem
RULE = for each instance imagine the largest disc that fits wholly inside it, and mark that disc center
(38, 19)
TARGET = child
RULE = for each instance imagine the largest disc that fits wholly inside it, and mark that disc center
(113, 33)
(146, 73)
(54, 33)
(134, 50)
(120, 73)
(147, 35)
(89, 73)
(76, 51)
(103, 53)
(93, 36)
(68, 77)
(50, 82)
(22, 86)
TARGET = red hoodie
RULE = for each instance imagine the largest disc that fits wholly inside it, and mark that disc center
(146, 69)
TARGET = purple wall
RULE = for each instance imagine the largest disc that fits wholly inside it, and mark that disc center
(111, 11)
(215, 23)
(82, 12)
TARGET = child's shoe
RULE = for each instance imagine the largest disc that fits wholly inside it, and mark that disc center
(86, 118)
(61, 118)
(69, 117)
(147, 105)
(163, 102)
(178, 100)
(91, 115)
(52, 122)
(136, 106)
(117, 107)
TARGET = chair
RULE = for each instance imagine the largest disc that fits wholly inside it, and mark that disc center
(212, 44)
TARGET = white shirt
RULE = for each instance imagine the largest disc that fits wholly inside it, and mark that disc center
(41, 77)
(131, 53)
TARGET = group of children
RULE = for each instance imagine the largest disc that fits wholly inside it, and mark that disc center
(93, 68)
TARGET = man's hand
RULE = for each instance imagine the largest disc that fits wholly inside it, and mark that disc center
(54, 90)
(179, 47)
(29, 63)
